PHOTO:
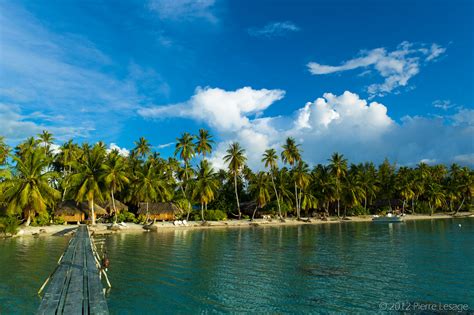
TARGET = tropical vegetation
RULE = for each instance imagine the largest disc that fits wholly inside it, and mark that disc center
(36, 175)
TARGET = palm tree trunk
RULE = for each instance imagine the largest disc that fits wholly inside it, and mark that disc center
(92, 211)
(413, 205)
(338, 208)
(460, 206)
(276, 194)
(28, 218)
(255, 210)
(296, 197)
(236, 194)
(147, 214)
(365, 202)
(431, 208)
(113, 205)
(403, 206)
(202, 211)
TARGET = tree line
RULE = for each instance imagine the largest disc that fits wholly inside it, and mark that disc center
(34, 178)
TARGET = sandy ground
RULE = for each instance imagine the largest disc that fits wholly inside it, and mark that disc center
(64, 230)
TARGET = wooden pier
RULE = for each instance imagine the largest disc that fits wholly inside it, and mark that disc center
(75, 287)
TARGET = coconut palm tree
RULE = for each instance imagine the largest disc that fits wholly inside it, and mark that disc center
(29, 191)
(115, 176)
(4, 150)
(87, 180)
(301, 177)
(338, 169)
(324, 186)
(270, 158)
(27, 146)
(235, 159)
(259, 189)
(46, 139)
(142, 148)
(291, 155)
(404, 185)
(204, 143)
(435, 195)
(150, 186)
(353, 191)
(185, 149)
(367, 179)
(205, 186)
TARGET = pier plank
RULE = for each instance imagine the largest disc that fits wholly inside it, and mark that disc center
(75, 286)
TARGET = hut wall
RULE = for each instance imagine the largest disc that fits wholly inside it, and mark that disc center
(162, 216)
(73, 218)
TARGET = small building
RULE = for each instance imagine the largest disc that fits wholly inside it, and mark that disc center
(73, 212)
(159, 210)
(70, 212)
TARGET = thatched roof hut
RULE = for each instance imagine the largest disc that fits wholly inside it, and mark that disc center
(109, 207)
(70, 211)
(159, 210)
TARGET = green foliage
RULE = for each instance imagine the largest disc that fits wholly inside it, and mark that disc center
(58, 220)
(357, 210)
(9, 225)
(41, 220)
(125, 216)
(141, 218)
(422, 207)
(210, 215)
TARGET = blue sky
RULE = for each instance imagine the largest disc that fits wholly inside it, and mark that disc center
(370, 79)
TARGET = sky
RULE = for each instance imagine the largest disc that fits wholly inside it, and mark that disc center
(370, 79)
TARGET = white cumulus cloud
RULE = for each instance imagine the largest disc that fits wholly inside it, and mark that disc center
(396, 67)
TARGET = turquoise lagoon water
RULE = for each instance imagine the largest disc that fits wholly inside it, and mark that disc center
(348, 267)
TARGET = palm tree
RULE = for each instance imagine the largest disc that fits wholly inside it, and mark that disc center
(324, 186)
(353, 191)
(235, 159)
(29, 192)
(205, 186)
(204, 143)
(115, 176)
(259, 188)
(46, 139)
(142, 148)
(338, 169)
(150, 186)
(4, 150)
(301, 177)
(404, 185)
(186, 149)
(87, 181)
(270, 158)
(367, 179)
(291, 155)
(68, 154)
(435, 196)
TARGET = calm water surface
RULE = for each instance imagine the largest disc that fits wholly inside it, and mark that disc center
(347, 267)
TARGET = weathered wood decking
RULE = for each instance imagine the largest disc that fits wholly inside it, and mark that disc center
(75, 286)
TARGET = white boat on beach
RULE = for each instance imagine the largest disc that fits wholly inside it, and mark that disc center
(389, 218)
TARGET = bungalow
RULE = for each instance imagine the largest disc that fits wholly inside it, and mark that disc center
(159, 210)
(70, 211)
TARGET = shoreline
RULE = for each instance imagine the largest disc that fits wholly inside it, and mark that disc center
(102, 228)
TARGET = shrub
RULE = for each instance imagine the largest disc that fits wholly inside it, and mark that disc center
(357, 210)
(9, 225)
(58, 220)
(125, 216)
(41, 220)
(210, 215)
(141, 218)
